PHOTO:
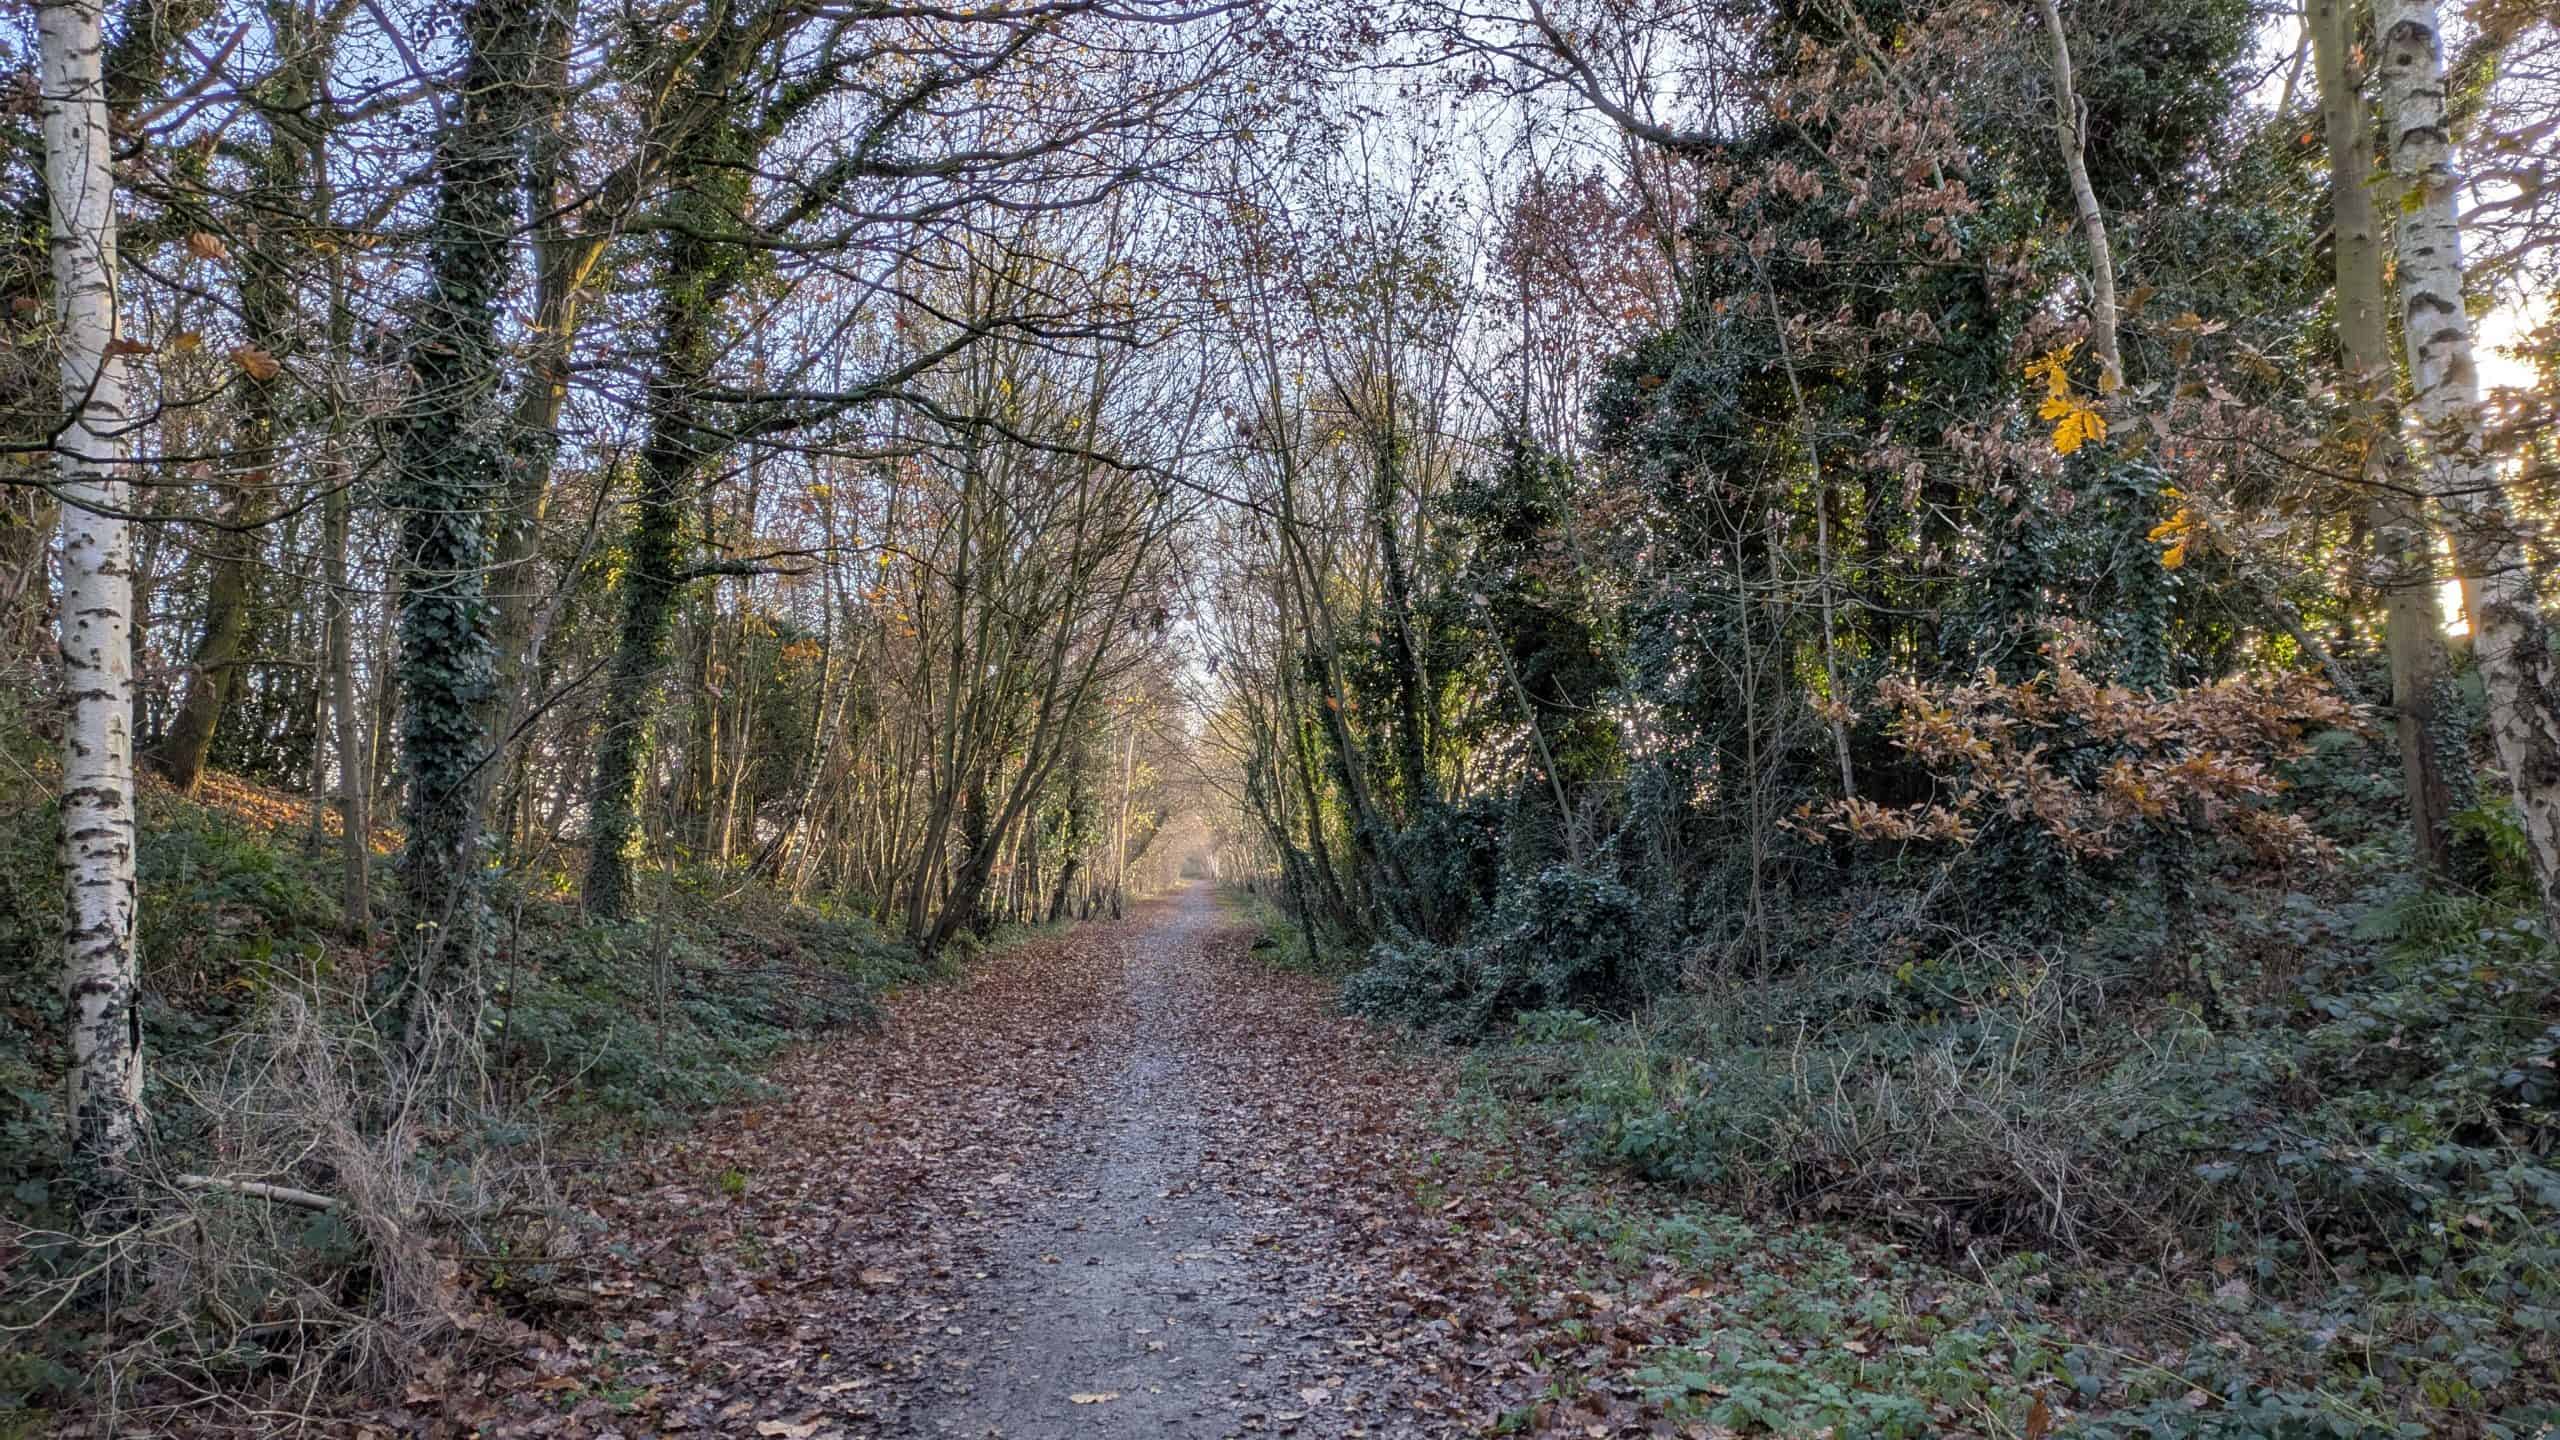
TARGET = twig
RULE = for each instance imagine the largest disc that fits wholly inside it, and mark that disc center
(260, 1190)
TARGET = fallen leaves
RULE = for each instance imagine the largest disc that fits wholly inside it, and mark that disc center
(1331, 1261)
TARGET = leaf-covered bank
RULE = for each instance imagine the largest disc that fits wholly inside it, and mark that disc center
(258, 1013)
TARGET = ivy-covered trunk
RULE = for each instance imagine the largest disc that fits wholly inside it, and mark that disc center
(100, 967)
(451, 466)
(1071, 835)
(2510, 641)
(1413, 764)
(979, 837)
(655, 549)
(699, 277)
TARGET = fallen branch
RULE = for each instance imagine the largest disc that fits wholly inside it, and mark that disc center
(259, 1190)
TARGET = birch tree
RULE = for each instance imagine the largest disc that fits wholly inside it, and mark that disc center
(2510, 640)
(100, 966)
(2403, 546)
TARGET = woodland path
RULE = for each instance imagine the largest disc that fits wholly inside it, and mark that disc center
(1149, 1259)
(1129, 1181)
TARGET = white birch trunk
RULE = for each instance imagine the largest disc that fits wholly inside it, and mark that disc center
(98, 965)
(2508, 638)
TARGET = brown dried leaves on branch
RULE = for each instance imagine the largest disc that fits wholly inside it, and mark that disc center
(2096, 765)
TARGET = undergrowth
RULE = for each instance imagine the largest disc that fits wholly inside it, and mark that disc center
(2275, 1145)
(1277, 940)
(2311, 1195)
(262, 1068)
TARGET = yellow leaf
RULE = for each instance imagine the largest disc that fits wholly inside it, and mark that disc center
(2174, 556)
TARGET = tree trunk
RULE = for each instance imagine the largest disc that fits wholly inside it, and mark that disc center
(100, 967)
(1413, 759)
(564, 259)
(232, 554)
(1120, 821)
(354, 784)
(640, 653)
(2093, 221)
(450, 470)
(1071, 836)
(2402, 545)
(698, 278)
(214, 673)
(2510, 642)
(337, 476)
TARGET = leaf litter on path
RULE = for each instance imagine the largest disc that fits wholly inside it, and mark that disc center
(1124, 1181)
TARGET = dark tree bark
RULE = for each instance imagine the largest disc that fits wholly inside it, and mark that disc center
(1071, 837)
(450, 468)
(232, 551)
(699, 276)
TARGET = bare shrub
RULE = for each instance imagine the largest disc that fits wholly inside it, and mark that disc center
(304, 1239)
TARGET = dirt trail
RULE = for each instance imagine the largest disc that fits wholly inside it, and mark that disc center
(1140, 1266)
(1126, 1182)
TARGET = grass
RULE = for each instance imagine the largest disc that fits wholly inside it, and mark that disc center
(1887, 1322)
(1784, 1328)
